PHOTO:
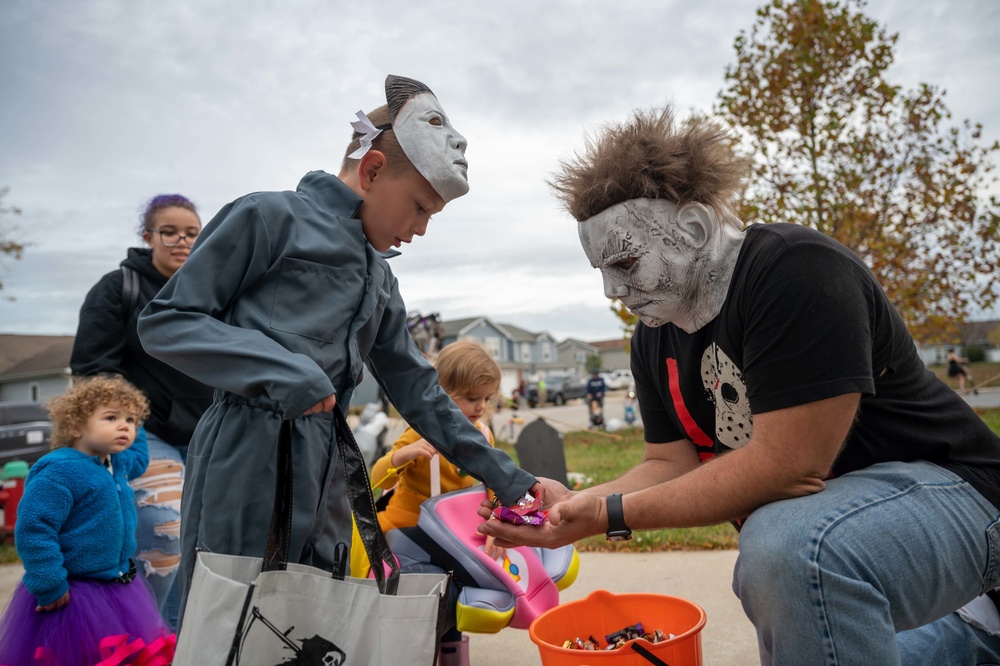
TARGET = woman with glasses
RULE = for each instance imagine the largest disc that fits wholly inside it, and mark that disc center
(107, 342)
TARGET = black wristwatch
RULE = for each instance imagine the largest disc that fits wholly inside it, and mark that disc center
(617, 529)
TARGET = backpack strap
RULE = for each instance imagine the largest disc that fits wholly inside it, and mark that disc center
(130, 292)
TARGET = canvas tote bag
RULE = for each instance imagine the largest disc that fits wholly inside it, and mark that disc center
(244, 611)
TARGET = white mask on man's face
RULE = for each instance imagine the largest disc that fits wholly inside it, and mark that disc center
(433, 146)
(644, 259)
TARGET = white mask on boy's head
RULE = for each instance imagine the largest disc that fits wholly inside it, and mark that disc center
(425, 134)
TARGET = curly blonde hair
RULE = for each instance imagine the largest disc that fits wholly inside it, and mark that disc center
(465, 365)
(651, 156)
(70, 411)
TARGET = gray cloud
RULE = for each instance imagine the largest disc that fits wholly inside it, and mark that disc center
(109, 102)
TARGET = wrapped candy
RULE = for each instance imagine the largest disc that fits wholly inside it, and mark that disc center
(527, 511)
(618, 639)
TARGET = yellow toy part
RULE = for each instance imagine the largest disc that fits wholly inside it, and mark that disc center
(360, 568)
(481, 611)
(572, 571)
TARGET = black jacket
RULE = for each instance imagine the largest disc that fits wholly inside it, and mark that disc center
(107, 342)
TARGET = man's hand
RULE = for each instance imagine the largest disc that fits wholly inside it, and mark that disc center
(55, 605)
(325, 405)
(574, 517)
(549, 490)
(553, 495)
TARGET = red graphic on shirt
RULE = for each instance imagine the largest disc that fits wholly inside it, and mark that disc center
(694, 433)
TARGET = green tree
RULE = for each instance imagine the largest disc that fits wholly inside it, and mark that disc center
(594, 363)
(838, 148)
(9, 248)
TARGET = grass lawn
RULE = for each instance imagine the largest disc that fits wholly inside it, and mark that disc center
(602, 458)
(984, 374)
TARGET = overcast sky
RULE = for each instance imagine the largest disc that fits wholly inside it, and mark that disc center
(106, 103)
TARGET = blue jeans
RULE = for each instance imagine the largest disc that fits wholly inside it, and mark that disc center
(832, 578)
(157, 534)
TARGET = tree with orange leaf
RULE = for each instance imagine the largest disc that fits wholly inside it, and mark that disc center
(625, 318)
(8, 246)
(839, 148)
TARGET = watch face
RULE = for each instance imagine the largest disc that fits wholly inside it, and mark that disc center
(625, 535)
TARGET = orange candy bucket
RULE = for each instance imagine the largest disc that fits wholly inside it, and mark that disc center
(602, 613)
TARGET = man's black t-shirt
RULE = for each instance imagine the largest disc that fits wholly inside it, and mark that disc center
(805, 320)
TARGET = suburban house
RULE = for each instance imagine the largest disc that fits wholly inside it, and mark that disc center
(521, 354)
(573, 355)
(34, 367)
(614, 353)
(982, 334)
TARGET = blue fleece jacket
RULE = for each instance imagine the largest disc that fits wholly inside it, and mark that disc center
(76, 520)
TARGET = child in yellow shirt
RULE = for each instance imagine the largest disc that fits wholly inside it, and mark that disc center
(468, 374)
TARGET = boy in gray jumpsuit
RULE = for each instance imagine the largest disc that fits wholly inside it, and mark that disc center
(284, 298)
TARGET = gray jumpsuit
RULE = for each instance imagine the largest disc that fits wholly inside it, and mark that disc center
(280, 304)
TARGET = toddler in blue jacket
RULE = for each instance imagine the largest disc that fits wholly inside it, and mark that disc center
(79, 601)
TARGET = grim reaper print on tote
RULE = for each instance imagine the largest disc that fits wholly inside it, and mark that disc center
(312, 651)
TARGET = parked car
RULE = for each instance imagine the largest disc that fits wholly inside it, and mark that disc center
(617, 379)
(24, 431)
(558, 389)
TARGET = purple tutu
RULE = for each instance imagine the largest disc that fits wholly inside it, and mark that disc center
(102, 621)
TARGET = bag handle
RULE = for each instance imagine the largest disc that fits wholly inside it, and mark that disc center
(359, 493)
(280, 533)
(359, 490)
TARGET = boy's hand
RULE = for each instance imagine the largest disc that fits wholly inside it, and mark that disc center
(418, 449)
(55, 605)
(325, 405)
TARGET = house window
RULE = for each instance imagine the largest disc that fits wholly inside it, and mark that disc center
(525, 352)
(546, 352)
(34, 392)
(493, 347)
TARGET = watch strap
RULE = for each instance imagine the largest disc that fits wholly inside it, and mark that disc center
(616, 516)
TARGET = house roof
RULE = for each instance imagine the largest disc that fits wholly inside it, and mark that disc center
(616, 343)
(978, 332)
(519, 334)
(32, 354)
(573, 342)
(456, 326)
(969, 333)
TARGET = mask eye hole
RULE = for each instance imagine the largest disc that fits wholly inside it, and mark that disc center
(435, 121)
(623, 261)
(626, 264)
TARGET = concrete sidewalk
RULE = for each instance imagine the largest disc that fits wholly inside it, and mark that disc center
(703, 577)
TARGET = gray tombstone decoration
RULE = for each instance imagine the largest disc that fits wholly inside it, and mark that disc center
(540, 451)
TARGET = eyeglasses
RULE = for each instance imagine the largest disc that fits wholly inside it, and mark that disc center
(171, 238)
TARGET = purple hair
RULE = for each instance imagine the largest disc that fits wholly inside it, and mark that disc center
(158, 203)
